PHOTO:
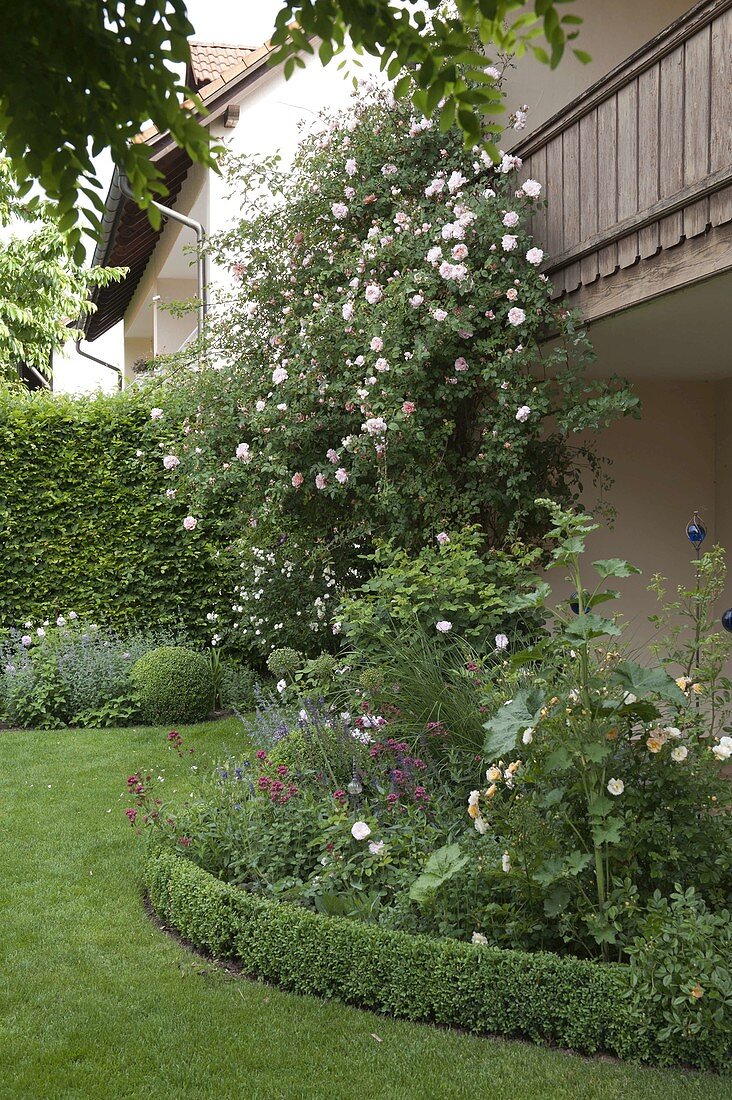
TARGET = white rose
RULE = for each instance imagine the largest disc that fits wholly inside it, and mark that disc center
(360, 830)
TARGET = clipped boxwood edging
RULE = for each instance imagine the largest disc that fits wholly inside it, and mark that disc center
(541, 996)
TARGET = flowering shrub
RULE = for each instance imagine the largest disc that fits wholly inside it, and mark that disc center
(67, 671)
(375, 367)
(599, 789)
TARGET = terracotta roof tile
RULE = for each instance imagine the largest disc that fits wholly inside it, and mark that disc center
(210, 59)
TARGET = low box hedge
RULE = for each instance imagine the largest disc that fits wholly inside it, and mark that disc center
(565, 1001)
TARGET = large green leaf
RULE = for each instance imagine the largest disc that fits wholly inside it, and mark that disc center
(614, 567)
(640, 680)
(511, 720)
(439, 868)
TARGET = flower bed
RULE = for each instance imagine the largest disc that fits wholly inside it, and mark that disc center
(564, 1001)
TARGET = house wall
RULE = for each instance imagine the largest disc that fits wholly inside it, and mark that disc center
(671, 462)
(609, 33)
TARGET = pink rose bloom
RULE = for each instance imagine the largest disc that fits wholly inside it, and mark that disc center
(535, 256)
(455, 182)
(156, 414)
(461, 364)
(443, 538)
(434, 255)
(243, 452)
(508, 242)
(501, 642)
(381, 365)
(340, 210)
(347, 311)
(459, 252)
(26, 640)
(416, 301)
(377, 344)
(510, 219)
(408, 407)
(332, 456)
(523, 414)
(320, 481)
(170, 462)
(190, 523)
(351, 167)
(444, 626)
(341, 476)
(531, 188)
(360, 830)
(516, 316)
(279, 374)
(439, 314)
(376, 846)
(374, 294)
(512, 294)
(297, 480)
(170, 494)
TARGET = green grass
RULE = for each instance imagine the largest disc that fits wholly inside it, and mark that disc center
(96, 1002)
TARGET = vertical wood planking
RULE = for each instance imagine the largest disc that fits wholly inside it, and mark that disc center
(572, 200)
(607, 179)
(671, 141)
(589, 224)
(628, 168)
(538, 172)
(720, 152)
(696, 126)
(555, 202)
(648, 136)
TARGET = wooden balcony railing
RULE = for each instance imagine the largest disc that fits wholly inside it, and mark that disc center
(640, 163)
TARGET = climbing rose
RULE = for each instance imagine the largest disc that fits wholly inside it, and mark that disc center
(26, 640)
(531, 188)
(156, 414)
(341, 476)
(616, 786)
(461, 364)
(170, 462)
(523, 414)
(444, 626)
(510, 219)
(190, 523)
(501, 641)
(351, 167)
(516, 316)
(297, 480)
(377, 344)
(340, 210)
(508, 242)
(443, 538)
(243, 452)
(373, 294)
(535, 256)
(347, 311)
(320, 481)
(360, 830)
(408, 408)
(279, 374)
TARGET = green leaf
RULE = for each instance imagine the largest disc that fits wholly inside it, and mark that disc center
(588, 626)
(441, 866)
(640, 680)
(609, 832)
(511, 720)
(556, 901)
(614, 567)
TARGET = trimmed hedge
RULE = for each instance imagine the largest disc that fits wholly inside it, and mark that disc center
(84, 521)
(545, 997)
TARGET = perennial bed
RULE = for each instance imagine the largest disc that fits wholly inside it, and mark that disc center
(559, 1000)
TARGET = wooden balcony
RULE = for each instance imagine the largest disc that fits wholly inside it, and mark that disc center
(638, 171)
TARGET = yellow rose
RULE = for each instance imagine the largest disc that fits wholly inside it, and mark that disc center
(655, 743)
(493, 774)
(696, 992)
(697, 689)
(473, 811)
(491, 791)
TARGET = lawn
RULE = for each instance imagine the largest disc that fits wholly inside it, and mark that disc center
(96, 1001)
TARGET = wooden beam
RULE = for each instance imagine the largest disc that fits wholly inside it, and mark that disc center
(671, 269)
(709, 185)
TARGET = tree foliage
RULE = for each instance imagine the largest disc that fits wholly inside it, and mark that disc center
(85, 75)
(42, 288)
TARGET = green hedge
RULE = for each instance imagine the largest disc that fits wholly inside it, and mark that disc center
(541, 996)
(84, 522)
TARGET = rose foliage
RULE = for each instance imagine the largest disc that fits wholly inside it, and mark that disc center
(374, 367)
